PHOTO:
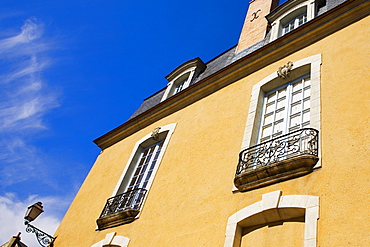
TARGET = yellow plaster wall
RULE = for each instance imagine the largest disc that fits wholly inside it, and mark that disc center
(191, 198)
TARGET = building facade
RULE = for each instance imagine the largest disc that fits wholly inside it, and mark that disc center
(265, 145)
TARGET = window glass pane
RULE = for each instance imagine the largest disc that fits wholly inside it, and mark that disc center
(295, 120)
(306, 116)
(306, 103)
(307, 81)
(297, 86)
(282, 93)
(269, 118)
(267, 130)
(296, 107)
(307, 91)
(279, 126)
(271, 97)
(280, 114)
(297, 96)
(270, 107)
(281, 103)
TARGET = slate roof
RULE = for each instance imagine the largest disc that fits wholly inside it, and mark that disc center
(228, 57)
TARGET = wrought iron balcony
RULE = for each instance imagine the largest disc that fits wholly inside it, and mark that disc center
(121, 209)
(288, 156)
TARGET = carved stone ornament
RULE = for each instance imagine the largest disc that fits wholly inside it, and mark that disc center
(155, 133)
(284, 71)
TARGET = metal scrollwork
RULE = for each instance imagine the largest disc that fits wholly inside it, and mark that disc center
(129, 200)
(43, 238)
(300, 142)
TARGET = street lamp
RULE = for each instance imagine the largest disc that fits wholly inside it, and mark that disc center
(32, 213)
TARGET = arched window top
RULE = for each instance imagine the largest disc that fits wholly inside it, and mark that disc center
(185, 67)
(289, 207)
(112, 240)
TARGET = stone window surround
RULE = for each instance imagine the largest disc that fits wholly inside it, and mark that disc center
(310, 65)
(132, 164)
(268, 208)
(111, 239)
(275, 20)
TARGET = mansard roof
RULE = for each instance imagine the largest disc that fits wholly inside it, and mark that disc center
(217, 65)
(228, 57)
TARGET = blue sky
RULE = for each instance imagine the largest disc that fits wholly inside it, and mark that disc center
(70, 71)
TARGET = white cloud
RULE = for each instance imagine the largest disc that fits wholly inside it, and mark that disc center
(12, 213)
(29, 32)
(25, 98)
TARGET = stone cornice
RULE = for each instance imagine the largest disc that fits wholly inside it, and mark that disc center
(313, 31)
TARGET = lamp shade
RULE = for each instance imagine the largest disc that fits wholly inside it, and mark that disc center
(33, 211)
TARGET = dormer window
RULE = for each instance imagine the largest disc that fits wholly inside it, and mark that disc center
(181, 83)
(291, 15)
(294, 23)
(182, 77)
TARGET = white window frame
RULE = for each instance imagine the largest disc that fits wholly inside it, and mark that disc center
(296, 23)
(183, 74)
(132, 162)
(292, 10)
(288, 97)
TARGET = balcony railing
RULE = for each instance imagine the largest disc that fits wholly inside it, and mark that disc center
(122, 208)
(281, 158)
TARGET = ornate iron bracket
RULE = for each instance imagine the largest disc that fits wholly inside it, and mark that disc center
(43, 238)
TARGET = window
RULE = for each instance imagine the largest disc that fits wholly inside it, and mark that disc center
(272, 83)
(286, 109)
(294, 23)
(147, 161)
(281, 134)
(182, 76)
(180, 84)
(130, 193)
(289, 16)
